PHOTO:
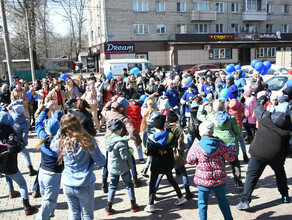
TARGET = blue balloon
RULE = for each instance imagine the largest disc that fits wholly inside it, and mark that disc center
(237, 67)
(188, 80)
(259, 67)
(289, 83)
(243, 75)
(109, 75)
(230, 68)
(267, 65)
(63, 77)
(253, 63)
(143, 98)
(206, 100)
(36, 97)
(264, 72)
(135, 71)
(224, 94)
(1, 106)
(29, 95)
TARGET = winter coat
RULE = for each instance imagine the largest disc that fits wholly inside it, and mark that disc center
(5, 97)
(134, 113)
(249, 112)
(21, 127)
(240, 83)
(234, 107)
(150, 89)
(40, 95)
(9, 145)
(159, 146)
(15, 95)
(119, 158)
(186, 98)
(53, 96)
(84, 116)
(257, 85)
(150, 122)
(193, 128)
(209, 155)
(272, 136)
(226, 127)
(115, 110)
(179, 145)
(173, 97)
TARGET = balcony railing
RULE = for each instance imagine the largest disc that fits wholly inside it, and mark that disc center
(203, 15)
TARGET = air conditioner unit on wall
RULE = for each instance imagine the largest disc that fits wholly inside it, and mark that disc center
(207, 47)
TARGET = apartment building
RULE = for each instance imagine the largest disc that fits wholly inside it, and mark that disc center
(188, 32)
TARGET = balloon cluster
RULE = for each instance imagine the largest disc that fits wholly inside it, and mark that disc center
(63, 77)
(135, 71)
(231, 68)
(261, 67)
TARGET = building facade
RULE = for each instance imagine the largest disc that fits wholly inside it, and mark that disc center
(189, 32)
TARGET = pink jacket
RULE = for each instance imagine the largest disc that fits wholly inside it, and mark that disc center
(209, 155)
(249, 113)
(234, 107)
(90, 96)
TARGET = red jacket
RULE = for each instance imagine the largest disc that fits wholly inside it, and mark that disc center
(134, 114)
(234, 107)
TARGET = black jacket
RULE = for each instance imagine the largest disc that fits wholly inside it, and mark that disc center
(193, 128)
(9, 147)
(272, 137)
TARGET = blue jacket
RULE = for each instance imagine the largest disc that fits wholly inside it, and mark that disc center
(173, 97)
(79, 164)
(119, 158)
(20, 126)
(48, 157)
(206, 88)
(240, 83)
(187, 96)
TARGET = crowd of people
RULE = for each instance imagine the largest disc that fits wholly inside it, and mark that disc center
(219, 112)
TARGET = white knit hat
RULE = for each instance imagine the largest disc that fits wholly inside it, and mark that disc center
(206, 128)
(219, 105)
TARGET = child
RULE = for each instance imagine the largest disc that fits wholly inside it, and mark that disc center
(159, 146)
(119, 163)
(273, 103)
(209, 155)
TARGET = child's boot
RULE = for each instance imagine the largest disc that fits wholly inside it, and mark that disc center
(28, 209)
(137, 182)
(108, 208)
(13, 194)
(134, 206)
(104, 186)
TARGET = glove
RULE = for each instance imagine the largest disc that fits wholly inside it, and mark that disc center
(131, 150)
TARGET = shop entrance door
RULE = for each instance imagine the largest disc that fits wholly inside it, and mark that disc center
(244, 56)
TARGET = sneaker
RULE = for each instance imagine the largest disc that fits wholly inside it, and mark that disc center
(285, 199)
(243, 205)
(149, 208)
(180, 201)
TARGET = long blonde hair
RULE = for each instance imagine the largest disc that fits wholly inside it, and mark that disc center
(150, 103)
(73, 131)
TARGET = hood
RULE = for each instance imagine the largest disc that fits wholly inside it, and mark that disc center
(250, 100)
(234, 104)
(18, 118)
(162, 138)
(281, 120)
(111, 141)
(283, 107)
(6, 119)
(209, 145)
(288, 91)
(222, 117)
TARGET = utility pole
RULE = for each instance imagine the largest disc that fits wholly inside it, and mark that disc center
(29, 42)
(6, 42)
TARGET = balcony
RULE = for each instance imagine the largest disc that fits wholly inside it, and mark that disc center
(203, 16)
(254, 15)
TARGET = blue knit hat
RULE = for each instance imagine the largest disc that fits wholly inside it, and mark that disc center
(124, 102)
(52, 125)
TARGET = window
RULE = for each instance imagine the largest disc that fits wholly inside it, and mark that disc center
(235, 28)
(181, 7)
(270, 8)
(222, 53)
(284, 9)
(219, 7)
(182, 28)
(141, 29)
(142, 56)
(133, 65)
(269, 28)
(285, 28)
(160, 29)
(201, 28)
(267, 52)
(91, 35)
(252, 28)
(160, 6)
(219, 28)
(98, 31)
(201, 6)
(140, 6)
(251, 5)
(235, 7)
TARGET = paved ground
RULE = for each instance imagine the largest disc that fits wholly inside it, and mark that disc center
(266, 202)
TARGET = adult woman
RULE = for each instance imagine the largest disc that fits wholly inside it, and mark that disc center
(75, 89)
(41, 94)
(110, 90)
(91, 97)
(20, 93)
(79, 151)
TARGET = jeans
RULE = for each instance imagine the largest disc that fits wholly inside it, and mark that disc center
(144, 138)
(250, 129)
(254, 172)
(190, 141)
(18, 178)
(9, 183)
(242, 144)
(25, 155)
(80, 201)
(114, 181)
(203, 197)
(183, 117)
(185, 179)
(36, 186)
(49, 189)
(140, 151)
(153, 180)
